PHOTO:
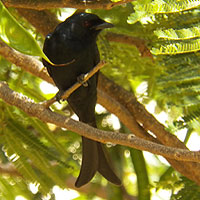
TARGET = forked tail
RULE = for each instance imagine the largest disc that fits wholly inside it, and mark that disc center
(93, 160)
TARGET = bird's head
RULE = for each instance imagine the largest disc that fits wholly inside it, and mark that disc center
(87, 23)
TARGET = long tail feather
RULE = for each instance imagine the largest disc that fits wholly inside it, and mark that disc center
(104, 168)
(90, 162)
(94, 159)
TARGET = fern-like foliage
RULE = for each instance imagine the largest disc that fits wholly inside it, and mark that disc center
(189, 190)
(37, 162)
(146, 9)
(179, 34)
(31, 157)
(178, 47)
(175, 43)
(178, 39)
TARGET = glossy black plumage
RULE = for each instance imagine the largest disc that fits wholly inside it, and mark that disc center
(74, 42)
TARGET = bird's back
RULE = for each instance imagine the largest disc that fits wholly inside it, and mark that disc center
(63, 46)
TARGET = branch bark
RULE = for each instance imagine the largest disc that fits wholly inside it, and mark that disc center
(37, 110)
(49, 20)
(50, 4)
(139, 43)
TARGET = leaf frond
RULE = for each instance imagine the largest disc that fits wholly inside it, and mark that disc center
(161, 7)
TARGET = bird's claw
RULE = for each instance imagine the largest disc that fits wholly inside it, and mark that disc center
(59, 96)
(81, 80)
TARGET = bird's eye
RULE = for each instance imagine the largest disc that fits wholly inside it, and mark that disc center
(87, 24)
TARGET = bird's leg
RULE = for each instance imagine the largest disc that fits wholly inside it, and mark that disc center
(81, 80)
(59, 95)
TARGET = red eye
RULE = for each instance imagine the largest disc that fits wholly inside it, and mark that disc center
(87, 24)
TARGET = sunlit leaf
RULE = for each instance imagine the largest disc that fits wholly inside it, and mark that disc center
(16, 36)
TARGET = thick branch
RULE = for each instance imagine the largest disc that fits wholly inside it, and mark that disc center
(46, 115)
(49, 4)
(24, 62)
(125, 117)
(147, 120)
(139, 43)
(49, 20)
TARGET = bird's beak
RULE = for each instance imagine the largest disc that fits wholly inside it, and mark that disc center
(103, 25)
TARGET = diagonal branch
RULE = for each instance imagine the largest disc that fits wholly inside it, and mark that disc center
(24, 61)
(147, 120)
(49, 4)
(37, 110)
(149, 123)
(76, 85)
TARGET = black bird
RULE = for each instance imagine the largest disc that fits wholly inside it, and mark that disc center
(73, 44)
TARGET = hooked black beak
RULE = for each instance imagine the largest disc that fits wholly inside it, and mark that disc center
(102, 26)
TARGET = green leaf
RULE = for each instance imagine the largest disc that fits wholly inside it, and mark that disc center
(148, 9)
(16, 36)
(177, 47)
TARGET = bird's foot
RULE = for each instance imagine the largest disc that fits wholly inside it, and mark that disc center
(81, 80)
(59, 96)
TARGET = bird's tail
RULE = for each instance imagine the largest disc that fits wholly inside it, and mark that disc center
(94, 159)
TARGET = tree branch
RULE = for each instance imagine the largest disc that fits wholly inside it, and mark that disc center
(49, 19)
(149, 123)
(49, 4)
(24, 61)
(9, 169)
(189, 169)
(147, 120)
(139, 43)
(37, 110)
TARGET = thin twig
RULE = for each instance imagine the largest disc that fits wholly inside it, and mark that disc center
(76, 85)
(9, 169)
